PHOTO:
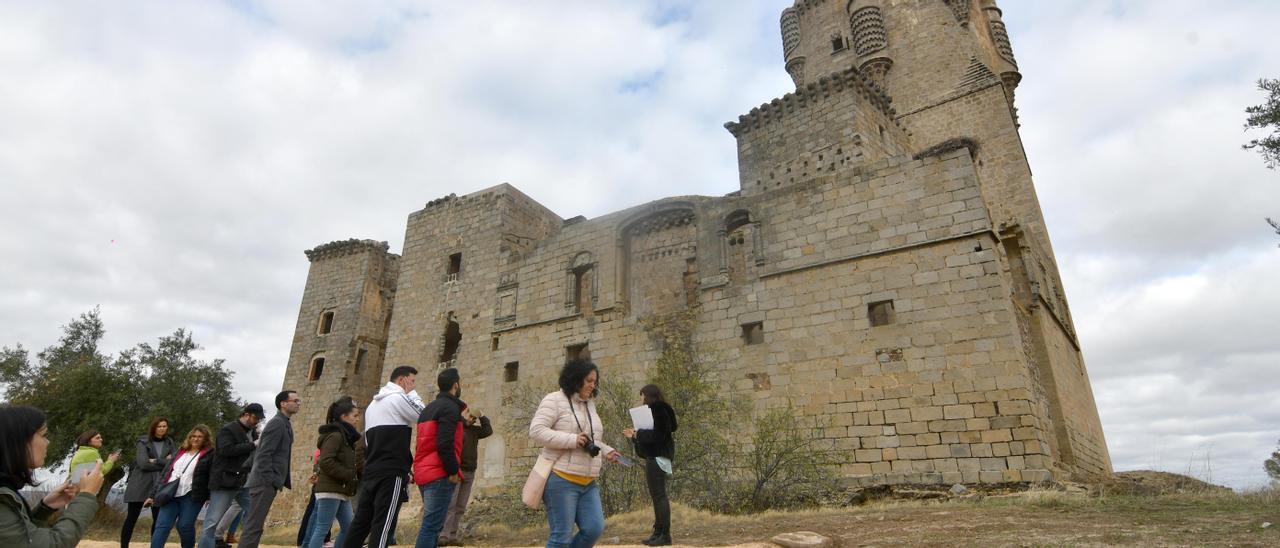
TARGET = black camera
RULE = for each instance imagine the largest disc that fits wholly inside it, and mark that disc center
(592, 448)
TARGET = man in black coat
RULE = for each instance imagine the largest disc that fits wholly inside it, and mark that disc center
(231, 462)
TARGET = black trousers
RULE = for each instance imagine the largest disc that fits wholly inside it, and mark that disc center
(131, 519)
(656, 480)
(376, 509)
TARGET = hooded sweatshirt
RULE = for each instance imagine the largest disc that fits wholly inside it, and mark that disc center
(389, 422)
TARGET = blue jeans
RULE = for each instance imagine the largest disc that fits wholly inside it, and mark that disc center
(219, 502)
(436, 497)
(322, 520)
(569, 503)
(182, 511)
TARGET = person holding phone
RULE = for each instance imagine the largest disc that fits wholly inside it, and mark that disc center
(24, 444)
(569, 429)
(89, 451)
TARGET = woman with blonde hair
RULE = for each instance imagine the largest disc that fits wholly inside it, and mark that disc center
(191, 472)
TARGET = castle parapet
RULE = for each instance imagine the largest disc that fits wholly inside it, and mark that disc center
(343, 248)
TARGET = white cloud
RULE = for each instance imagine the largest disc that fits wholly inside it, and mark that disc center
(171, 161)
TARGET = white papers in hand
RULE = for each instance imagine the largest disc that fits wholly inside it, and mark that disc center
(642, 418)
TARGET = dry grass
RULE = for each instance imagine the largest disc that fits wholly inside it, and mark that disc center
(1039, 516)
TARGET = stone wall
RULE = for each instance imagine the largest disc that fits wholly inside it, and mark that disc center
(355, 280)
(834, 124)
(942, 394)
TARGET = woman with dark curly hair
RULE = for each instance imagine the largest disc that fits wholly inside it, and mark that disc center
(569, 429)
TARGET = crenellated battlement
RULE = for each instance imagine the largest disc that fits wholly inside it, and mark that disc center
(811, 93)
(342, 248)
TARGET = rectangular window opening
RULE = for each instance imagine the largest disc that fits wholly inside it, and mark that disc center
(361, 356)
(511, 372)
(753, 333)
(455, 266)
(494, 346)
(881, 313)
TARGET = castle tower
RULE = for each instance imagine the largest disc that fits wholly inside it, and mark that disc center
(338, 343)
(948, 71)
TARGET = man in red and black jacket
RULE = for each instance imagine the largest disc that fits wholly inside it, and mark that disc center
(436, 467)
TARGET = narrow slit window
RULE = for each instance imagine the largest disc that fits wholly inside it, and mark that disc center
(881, 313)
(455, 266)
(361, 356)
(326, 323)
(494, 344)
(511, 373)
(753, 333)
(317, 368)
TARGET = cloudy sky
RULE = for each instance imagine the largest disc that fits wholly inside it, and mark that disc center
(171, 161)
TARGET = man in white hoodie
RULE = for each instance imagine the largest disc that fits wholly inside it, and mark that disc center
(389, 423)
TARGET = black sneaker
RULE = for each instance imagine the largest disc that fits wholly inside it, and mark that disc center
(661, 540)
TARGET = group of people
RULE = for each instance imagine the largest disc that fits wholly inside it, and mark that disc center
(174, 480)
(360, 477)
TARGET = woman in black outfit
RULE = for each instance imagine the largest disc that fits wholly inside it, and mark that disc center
(653, 445)
(152, 453)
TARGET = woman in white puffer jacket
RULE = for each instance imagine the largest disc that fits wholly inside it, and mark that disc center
(569, 429)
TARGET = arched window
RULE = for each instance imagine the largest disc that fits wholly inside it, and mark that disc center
(740, 246)
(317, 368)
(581, 287)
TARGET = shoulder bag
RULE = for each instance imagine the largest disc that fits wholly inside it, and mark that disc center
(537, 482)
(169, 490)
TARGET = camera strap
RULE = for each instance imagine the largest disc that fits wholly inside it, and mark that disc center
(590, 435)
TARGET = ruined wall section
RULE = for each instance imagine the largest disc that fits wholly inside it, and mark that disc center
(475, 235)
(355, 281)
(829, 126)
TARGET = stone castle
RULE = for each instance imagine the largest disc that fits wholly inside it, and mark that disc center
(884, 264)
